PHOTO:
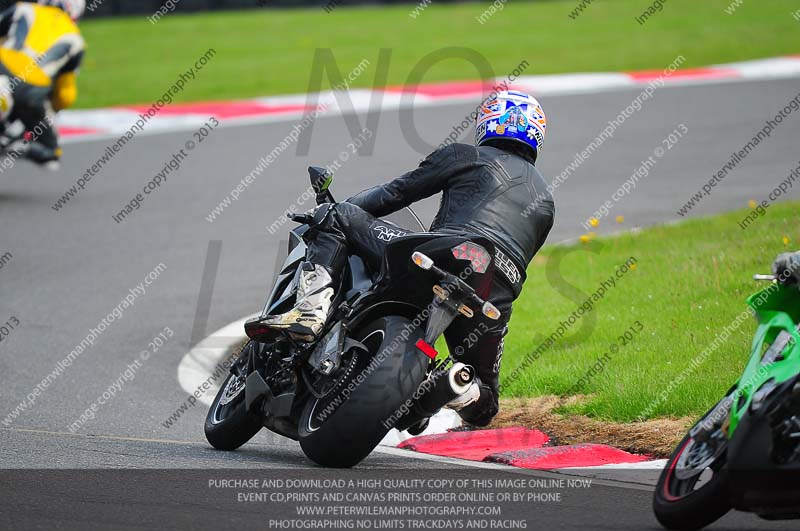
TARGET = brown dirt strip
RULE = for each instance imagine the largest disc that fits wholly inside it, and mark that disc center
(653, 437)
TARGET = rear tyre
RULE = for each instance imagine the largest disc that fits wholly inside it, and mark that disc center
(228, 423)
(337, 431)
(685, 497)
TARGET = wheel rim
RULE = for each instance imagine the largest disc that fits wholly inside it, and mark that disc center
(695, 465)
(234, 386)
(314, 423)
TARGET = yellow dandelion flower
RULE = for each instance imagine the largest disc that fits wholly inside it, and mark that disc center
(594, 222)
(620, 219)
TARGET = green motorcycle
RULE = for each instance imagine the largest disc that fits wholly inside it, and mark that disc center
(744, 453)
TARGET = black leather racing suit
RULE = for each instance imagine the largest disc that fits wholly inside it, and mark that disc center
(485, 191)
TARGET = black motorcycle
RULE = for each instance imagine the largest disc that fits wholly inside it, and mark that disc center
(374, 367)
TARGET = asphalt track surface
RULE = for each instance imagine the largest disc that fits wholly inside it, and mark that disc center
(71, 268)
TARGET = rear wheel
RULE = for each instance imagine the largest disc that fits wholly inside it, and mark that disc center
(342, 428)
(693, 490)
(228, 423)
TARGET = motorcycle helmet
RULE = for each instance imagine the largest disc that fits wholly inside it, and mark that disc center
(512, 119)
(74, 8)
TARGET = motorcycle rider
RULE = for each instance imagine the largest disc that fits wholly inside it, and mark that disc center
(492, 189)
(786, 268)
(39, 60)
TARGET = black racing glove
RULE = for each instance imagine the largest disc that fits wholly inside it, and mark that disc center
(786, 268)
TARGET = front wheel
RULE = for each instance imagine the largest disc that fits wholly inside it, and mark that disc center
(342, 428)
(228, 423)
(693, 490)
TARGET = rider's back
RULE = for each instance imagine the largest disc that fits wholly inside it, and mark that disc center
(485, 190)
(500, 195)
(42, 43)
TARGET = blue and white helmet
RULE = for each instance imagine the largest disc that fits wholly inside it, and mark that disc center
(74, 8)
(512, 116)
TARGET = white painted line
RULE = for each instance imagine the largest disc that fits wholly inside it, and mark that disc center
(191, 122)
(443, 421)
(644, 473)
(115, 121)
(199, 363)
(771, 68)
(656, 464)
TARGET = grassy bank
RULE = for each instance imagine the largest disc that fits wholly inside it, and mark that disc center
(689, 281)
(269, 51)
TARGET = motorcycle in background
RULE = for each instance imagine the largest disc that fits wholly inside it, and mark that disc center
(744, 453)
(12, 133)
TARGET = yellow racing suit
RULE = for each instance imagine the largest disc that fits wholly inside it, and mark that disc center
(40, 53)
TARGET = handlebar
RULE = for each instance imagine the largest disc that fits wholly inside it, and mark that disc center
(307, 219)
(303, 219)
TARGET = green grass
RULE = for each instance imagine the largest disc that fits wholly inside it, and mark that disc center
(691, 280)
(269, 51)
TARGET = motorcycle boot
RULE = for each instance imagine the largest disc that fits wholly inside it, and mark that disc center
(315, 294)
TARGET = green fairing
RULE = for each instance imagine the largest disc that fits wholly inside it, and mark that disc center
(777, 309)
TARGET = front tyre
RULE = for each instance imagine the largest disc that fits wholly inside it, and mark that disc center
(342, 428)
(693, 490)
(228, 423)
